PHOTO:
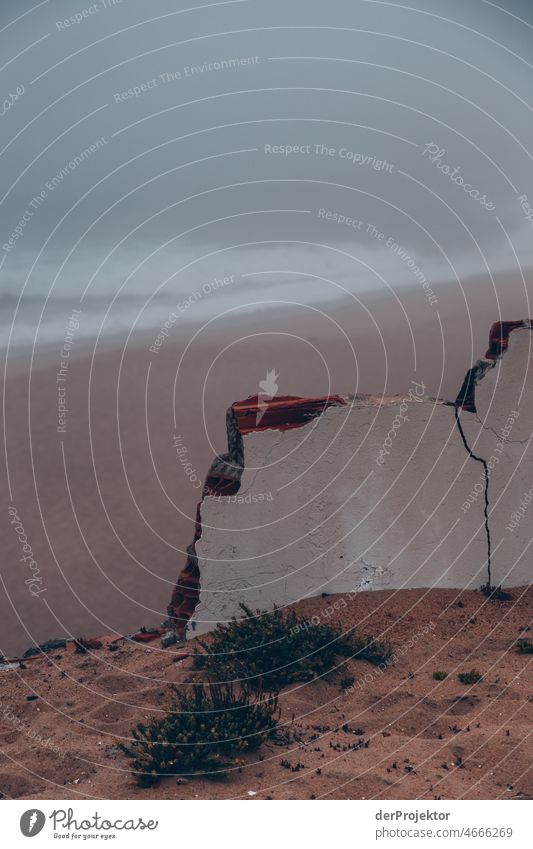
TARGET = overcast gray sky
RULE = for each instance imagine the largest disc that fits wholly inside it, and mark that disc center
(181, 174)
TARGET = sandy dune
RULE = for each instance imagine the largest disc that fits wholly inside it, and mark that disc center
(426, 739)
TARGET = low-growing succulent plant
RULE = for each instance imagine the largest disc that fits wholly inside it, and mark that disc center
(524, 647)
(270, 650)
(472, 677)
(440, 675)
(202, 733)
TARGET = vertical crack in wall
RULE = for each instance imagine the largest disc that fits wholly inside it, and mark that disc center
(486, 493)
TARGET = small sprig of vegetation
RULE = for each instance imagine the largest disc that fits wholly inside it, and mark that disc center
(440, 675)
(202, 733)
(524, 647)
(373, 652)
(270, 650)
(472, 677)
(495, 593)
(347, 682)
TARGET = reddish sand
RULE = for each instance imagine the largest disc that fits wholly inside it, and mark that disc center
(426, 739)
(107, 508)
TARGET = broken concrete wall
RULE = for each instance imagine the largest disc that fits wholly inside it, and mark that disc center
(379, 494)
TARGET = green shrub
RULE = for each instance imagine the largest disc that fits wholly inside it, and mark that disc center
(472, 677)
(270, 650)
(202, 733)
(440, 675)
(524, 647)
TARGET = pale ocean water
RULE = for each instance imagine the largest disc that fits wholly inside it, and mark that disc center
(127, 294)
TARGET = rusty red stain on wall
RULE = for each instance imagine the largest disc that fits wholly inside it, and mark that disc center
(499, 337)
(498, 344)
(282, 413)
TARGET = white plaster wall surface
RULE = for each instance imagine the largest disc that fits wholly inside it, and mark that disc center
(341, 519)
